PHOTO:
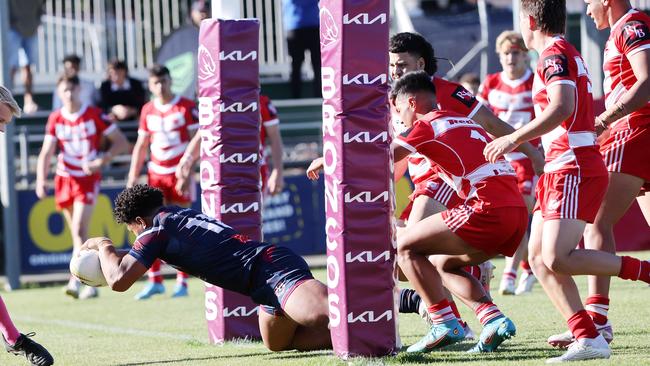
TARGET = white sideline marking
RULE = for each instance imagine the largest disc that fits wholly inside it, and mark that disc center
(109, 329)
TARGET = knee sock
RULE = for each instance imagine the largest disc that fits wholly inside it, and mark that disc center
(441, 312)
(181, 278)
(487, 312)
(582, 326)
(597, 307)
(409, 301)
(7, 327)
(154, 272)
(634, 269)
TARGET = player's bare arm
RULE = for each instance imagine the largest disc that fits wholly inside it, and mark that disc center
(561, 106)
(276, 178)
(120, 269)
(497, 128)
(119, 144)
(137, 159)
(636, 97)
(43, 165)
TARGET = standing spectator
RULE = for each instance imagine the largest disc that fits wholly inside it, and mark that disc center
(76, 130)
(167, 124)
(301, 22)
(24, 20)
(200, 11)
(14, 341)
(87, 91)
(121, 96)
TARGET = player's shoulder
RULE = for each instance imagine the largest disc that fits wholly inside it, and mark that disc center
(634, 29)
(443, 84)
(264, 99)
(185, 102)
(147, 107)
(441, 114)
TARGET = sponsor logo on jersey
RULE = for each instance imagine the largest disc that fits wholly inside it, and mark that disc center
(635, 31)
(555, 66)
(464, 96)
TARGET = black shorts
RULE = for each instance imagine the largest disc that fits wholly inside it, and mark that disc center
(277, 273)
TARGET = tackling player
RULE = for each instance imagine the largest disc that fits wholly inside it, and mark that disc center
(625, 150)
(574, 182)
(76, 130)
(490, 220)
(167, 123)
(509, 95)
(294, 312)
(14, 341)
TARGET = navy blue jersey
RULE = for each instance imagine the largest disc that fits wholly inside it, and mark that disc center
(201, 246)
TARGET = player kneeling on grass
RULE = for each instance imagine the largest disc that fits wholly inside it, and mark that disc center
(491, 220)
(294, 312)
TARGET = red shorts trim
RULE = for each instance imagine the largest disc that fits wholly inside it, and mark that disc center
(493, 231)
(167, 183)
(569, 196)
(526, 178)
(628, 151)
(68, 190)
(436, 189)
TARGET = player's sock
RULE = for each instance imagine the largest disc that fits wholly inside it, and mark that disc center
(7, 327)
(634, 269)
(597, 307)
(510, 274)
(487, 312)
(525, 266)
(441, 312)
(181, 278)
(409, 301)
(154, 272)
(581, 325)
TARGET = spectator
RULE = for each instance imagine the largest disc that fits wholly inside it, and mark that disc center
(301, 22)
(24, 20)
(87, 91)
(200, 11)
(471, 82)
(121, 96)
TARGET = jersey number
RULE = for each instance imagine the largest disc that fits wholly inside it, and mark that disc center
(477, 135)
(206, 223)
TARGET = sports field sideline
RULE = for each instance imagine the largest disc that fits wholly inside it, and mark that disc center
(117, 330)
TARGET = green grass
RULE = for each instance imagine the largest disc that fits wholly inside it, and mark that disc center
(116, 330)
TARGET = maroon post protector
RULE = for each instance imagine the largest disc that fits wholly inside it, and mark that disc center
(229, 117)
(358, 177)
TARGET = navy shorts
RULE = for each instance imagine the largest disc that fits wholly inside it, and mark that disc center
(277, 273)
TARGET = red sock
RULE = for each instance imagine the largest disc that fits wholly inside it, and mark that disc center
(181, 278)
(525, 266)
(634, 269)
(7, 327)
(582, 326)
(597, 307)
(440, 312)
(486, 312)
(510, 274)
(454, 309)
(154, 272)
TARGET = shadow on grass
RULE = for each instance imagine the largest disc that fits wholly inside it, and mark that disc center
(298, 354)
(190, 359)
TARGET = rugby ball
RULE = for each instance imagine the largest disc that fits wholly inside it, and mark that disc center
(87, 268)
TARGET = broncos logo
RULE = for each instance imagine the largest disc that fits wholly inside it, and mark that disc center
(329, 31)
(207, 66)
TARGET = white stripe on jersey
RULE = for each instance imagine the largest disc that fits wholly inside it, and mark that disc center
(614, 155)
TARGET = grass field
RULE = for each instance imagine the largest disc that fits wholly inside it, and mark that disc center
(117, 330)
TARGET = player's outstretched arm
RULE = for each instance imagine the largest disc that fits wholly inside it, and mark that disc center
(276, 179)
(120, 269)
(561, 105)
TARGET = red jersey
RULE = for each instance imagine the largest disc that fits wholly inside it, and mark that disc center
(629, 35)
(269, 117)
(455, 144)
(78, 137)
(452, 97)
(511, 101)
(168, 128)
(571, 146)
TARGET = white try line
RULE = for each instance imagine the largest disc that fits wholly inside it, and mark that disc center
(108, 329)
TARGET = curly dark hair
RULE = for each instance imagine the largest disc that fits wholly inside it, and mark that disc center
(415, 45)
(411, 83)
(140, 200)
(549, 14)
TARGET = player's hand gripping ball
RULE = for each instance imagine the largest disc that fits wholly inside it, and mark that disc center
(87, 268)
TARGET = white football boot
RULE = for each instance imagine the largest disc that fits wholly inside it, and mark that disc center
(526, 282)
(584, 349)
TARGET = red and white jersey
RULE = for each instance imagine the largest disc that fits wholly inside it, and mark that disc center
(629, 35)
(78, 137)
(452, 97)
(269, 116)
(510, 100)
(571, 146)
(168, 128)
(455, 144)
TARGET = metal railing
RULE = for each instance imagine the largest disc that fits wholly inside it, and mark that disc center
(132, 30)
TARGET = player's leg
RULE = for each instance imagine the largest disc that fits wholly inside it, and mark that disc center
(180, 288)
(20, 344)
(527, 279)
(72, 288)
(621, 192)
(304, 324)
(644, 202)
